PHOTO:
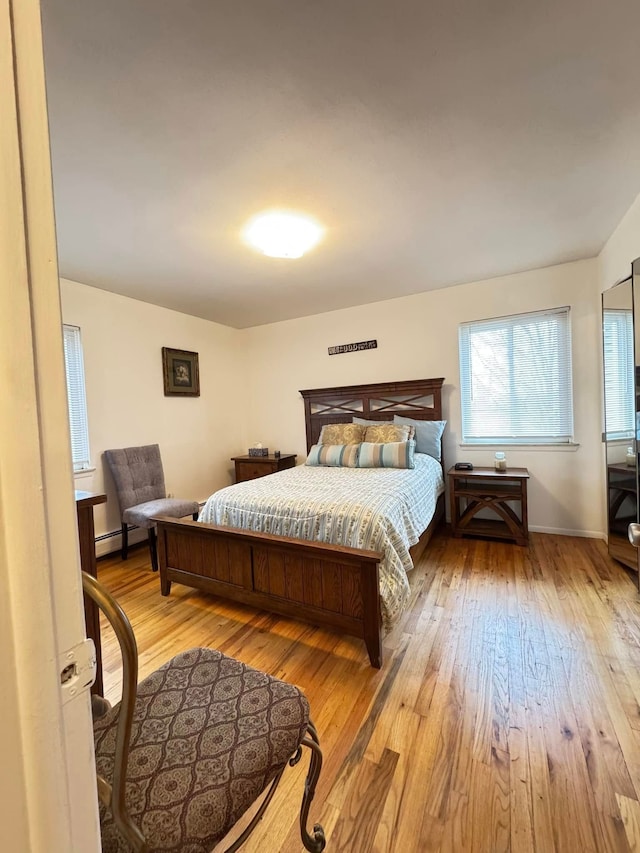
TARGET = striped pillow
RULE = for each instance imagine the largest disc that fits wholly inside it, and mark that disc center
(334, 455)
(395, 454)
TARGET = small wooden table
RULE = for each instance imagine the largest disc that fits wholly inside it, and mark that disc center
(85, 502)
(251, 467)
(486, 488)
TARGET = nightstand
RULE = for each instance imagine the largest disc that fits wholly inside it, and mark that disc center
(251, 467)
(497, 491)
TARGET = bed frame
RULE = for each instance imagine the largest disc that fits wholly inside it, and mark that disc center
(321, 584)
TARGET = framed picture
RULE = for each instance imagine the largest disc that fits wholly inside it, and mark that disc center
(180, 371)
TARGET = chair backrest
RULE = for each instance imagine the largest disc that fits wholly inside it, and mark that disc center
(113, 796)
(137, 473)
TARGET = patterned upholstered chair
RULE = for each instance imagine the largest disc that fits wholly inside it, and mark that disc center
(192, 747)
(139, 479)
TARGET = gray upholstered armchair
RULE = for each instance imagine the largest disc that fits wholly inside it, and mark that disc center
(139, 479)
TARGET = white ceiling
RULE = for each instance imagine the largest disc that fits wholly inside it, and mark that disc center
(438, 142)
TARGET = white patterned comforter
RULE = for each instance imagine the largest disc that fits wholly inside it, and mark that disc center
(380, 509)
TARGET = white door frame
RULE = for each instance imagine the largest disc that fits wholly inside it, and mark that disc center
(47, 773)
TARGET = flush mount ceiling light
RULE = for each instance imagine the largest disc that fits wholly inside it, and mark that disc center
(282, 234)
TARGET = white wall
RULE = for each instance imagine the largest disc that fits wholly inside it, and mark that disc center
(122, 341)
(623, 247)
(418, 338)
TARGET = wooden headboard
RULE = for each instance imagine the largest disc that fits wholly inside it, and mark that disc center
(415, 398)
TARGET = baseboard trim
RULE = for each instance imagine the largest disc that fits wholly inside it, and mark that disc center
(562, 531)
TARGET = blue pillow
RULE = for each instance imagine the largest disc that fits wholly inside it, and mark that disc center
(428, 434)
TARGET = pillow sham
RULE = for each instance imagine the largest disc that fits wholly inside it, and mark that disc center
(341, 434)
(428, 435)
(334, 455)
(384, 433)
(365, 422)
(392, 454)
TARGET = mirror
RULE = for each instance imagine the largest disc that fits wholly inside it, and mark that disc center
(620, 369)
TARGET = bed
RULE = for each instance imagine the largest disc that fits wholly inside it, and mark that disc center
(281, 562)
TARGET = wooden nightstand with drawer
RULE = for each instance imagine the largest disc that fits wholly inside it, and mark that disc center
(251, 467)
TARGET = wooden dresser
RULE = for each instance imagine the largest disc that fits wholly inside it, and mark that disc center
(252, 467)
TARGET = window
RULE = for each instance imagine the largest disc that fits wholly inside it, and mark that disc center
(76, 398)
(617, 331)
(515, 379)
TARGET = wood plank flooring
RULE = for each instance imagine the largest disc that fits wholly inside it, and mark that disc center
(506, 716)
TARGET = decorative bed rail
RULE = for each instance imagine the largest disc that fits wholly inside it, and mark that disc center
(414, 398)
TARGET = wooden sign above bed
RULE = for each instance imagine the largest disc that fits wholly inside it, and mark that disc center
(414, 398)
(357, 347)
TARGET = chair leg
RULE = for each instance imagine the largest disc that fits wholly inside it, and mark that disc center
(153, 547)
(255, 820)
(124, 549)
(99, 706)
(314, 843)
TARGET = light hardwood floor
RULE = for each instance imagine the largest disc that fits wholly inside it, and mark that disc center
(506, 716)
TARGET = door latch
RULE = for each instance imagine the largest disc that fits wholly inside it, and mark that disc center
(77, 668)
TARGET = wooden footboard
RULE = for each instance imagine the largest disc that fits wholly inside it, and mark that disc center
(316, 583)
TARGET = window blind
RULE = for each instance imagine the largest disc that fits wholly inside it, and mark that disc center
(617, 332)
(76, 397)
(515, 379)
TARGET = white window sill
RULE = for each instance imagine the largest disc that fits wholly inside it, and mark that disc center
(85, 472)
(507, 448)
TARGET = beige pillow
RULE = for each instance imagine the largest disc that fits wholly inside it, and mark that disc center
(385, 433)
(342, 434)
(373, 422)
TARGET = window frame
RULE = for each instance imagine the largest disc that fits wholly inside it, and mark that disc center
(563, 439)
(76, 398)
(624, 374)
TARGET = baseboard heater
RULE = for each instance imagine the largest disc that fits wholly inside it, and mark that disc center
(104, 536)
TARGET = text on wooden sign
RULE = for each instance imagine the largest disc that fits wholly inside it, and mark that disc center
(353, 347)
